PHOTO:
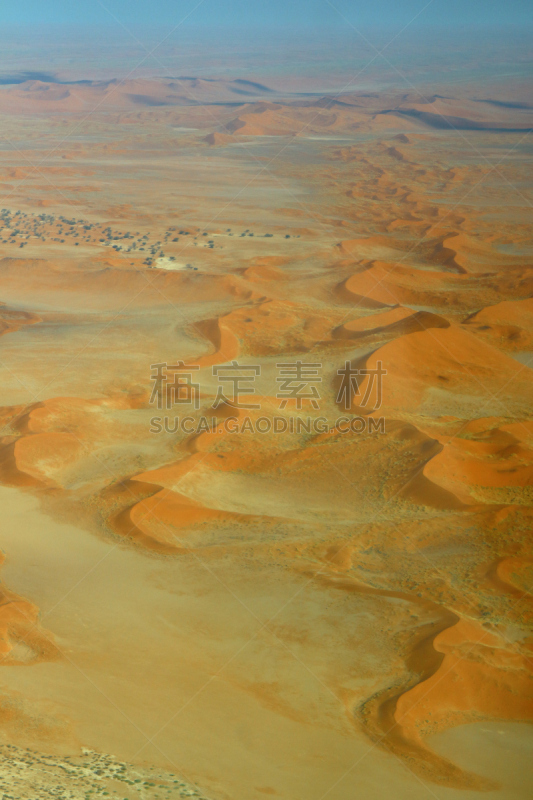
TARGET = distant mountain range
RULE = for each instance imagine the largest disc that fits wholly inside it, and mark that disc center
(272, 110)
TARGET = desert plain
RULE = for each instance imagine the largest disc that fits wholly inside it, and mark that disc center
(328, 611)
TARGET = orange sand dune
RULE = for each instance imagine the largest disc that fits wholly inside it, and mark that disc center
(447, 112)
(54, 441)
(480, 674)
(167, 520)
(513, 576)
(495, 466)
(267, 327)
(267, 269)
(446, 657)
(39, 96)
(22, 640)
(41, 456)
(108, 280)
(450, 367)
(478, 256)
(164, 522)
(434, 253)
(374, 322)
(508, 325)
(396, 322)
(306, 468)
(223, 340)
(10, 474)
(384, 716)
(11, 320)
(269, 119)
(389, 284)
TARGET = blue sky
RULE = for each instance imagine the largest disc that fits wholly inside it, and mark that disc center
(271, 13)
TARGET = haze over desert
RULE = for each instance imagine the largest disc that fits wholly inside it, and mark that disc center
(266, 455)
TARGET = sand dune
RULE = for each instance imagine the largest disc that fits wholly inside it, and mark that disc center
(266, 112)
(22, 640)
(508, 325)
(267, 327)
(501, 689)
(377, 284)
(41, 96)
(451, 368)
(495, 466)
(447, 112)
(455, 253)
(11, 320)
(397, 322)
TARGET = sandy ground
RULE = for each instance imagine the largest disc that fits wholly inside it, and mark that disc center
(314, 614)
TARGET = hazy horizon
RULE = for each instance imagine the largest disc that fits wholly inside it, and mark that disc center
(435, 59)
(302, 14)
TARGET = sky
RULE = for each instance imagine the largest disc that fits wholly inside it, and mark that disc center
(268, 13)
